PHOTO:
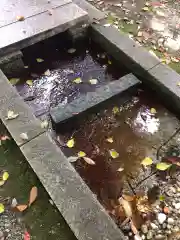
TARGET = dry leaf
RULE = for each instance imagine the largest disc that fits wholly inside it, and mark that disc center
(107, 25)
(21, 208)
(47, 73)
(33, 195)
(39, 60)
(5, 176)
(89, 161)
(81, 154)
(113, 153)
(20, 18)
(71, 50)
(128, 198)
(77, 80)
(178, 84)
(110, 140)
(24, 136)
(14, 81)
(11, 115)
(29, 82)
(44, 124)
(2, 208)
(70, 143)
(72, 158)
(147, 161)
(93, 81)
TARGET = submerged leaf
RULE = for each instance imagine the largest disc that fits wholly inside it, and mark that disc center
(2, 208)
(70, 143)
(11, 115)
(109, 62)
(89, 161)
(5, 176)
(29, 82)
(39, 60)
(115, 110)
(71, 50)
(127, 207)
(162, 166)
(24, 136)
(44, 124)
(110, 140)
(147, 161)
(21, 208)
(72, 158)
(33, 195)
(81, 154)
(93, 81)
(113, 153)
(153, 111)
(14, 81)
(77, 80)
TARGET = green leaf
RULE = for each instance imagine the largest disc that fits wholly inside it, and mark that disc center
(162, 166)
(161, 198)
(147, 161)
(77, 80)
(72, 159)
(70, 143)
(115, 110)
(14, 81)
(39, 60)
(81, 154)
(2, 208)
(113, 153)
(5, 176)
(29, 82)
(153, 111)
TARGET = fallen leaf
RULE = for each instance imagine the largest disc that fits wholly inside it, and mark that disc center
(2, 208)
(33, 195)
(120, 169)
(145, 9)
(70, 143)
(113, 153)
(2, 183)
(5, 176)
(24, 136)
(153, 111)
(44, 124)
(93, 81)
(162, 166)
(107, 25)
(29, 82)
(26, 67)
(47, 73)
(20, 18)
(26, 236)
(71, 50)
(81, 154)
(147, 161)
(72, 158)
(14, 81)
(11, 115)
(21, 208)
(89, 161)
(110, 140)
(39, 60)
(50, 12)
(77, 80)
(115, 110)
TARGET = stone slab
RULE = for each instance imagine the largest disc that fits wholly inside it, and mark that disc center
(123, 49)
(26, 122)
(81, 210)
(60, 114)
(39, 27)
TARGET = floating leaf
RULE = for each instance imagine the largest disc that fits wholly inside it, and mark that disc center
(89, 161)
(33, 195)
(70, 143)
(127, 207)
(147, 161)
(29, 82)
(2, 208)
(162, 166)
(153, 111)
(14, 203)
(71, 50)
(44, 124)
(110, 140)
(2, 183)
(21, 208)
(113, 153)
(73, 158)
(11, 115)
(5, 176)
(115, 110)
(47, 73)
(128, 198)
(93, 81)
(81, 154)
(20, 18)
(120, 169)
(24, 136)
(39, 60)
(77, 80)
(14, 81)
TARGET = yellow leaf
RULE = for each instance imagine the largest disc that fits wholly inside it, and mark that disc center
(21, 208)
(145, 9)
(153, 111)
(33, 195)
(70, 143)
(5, 176)
(77, 80)
(11, 115)
(44, 124)
(2, 208)
(113, 153)
(147, 161)
(115, 110)
(109, 62)
(2, 183)
(93, 81)
(81, 154)
(29, 82)
(110, 140)
(39, 60)
(14, 81)
(162, 166)
(89, 161)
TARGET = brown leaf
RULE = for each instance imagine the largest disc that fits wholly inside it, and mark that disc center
(22, 208)
(89, 161)
(133, 228)
(33, 195)
(127, 207)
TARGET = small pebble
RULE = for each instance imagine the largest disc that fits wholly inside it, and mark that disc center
(153, 226)
(149, 235)
(144, 228)
(177, 205)
(161, 218)
(170, 221)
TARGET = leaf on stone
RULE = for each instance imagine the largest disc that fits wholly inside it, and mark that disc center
(14, 81)
(24, 136)
(20, 18)
(29, 82)
(47, 72)
(110, 140)
(70, 143)
(39, 60)
(147, 161)
(71, 50)
(21, 208)
(89, 161)
(162, 166)
(113, 153)
(33, 195)
(81, 154)
(72, 158)
(109, 62)
(5, 176)
(153, 111)
(44, 124)
(14, 203)
(93, 81)
(2, 208)
(162, 198)
(115, 110)
(11, 115)
(77, 80)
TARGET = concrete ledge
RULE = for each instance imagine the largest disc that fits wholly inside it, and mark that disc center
(61, 114)
(86, 217)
